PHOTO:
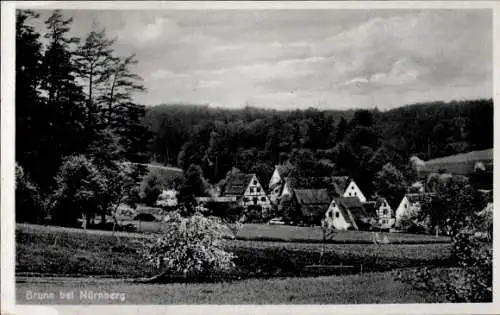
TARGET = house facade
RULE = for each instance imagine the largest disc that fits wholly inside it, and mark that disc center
(352, 190)
(337, 217)
(385, 214)
(345, 213)
(247, 189)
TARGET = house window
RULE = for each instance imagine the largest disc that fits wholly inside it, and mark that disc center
(406, 206)
(350, 194)
(385, 211)
(255, 182)
(352, 187)
(337, 214)
(255, 199)
(355, 193)
(384, 221)
(258, 189)
(330, 214)
(263, 199)
(251, 189)
(245, 199)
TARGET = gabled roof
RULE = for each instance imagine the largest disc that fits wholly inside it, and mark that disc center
(237, 184)
(313, 202)
(352, 206)
(312, 196)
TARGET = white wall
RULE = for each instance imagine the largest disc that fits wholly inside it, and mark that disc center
(353, 190)
(334, 217)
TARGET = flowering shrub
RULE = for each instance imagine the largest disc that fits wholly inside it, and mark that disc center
(191, 246)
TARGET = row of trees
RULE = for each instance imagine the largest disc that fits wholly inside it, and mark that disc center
(75, 120)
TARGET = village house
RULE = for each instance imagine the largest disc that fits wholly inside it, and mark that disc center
(311, 204)
(277, 182)
(352, 190)
(248, 191)
(385, 214)
(337, 186)
(346, 213)
(410, 205)
(168, 198)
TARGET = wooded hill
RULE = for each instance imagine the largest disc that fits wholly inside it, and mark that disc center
(356, 143)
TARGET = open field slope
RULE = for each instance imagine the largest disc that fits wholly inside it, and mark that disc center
(63, 251)
(379, 287)
(287, 233)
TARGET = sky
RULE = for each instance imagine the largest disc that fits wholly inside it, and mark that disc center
(289, 59)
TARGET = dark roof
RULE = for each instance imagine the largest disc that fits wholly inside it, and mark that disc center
(237, 184)
(313, 203)
(353, 206)
(335, 185)
(312, 196)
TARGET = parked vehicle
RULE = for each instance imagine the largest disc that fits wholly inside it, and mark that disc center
(276, 221)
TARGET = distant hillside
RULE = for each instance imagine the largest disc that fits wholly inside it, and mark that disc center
(169, 173)
(477, 165)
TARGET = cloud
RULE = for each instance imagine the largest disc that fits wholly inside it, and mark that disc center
(287, 58)
(140, 31)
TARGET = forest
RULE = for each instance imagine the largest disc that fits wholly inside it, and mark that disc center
(355, 143)
(76, 117)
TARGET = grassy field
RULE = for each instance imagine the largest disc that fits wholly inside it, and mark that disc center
(379, 287)
(287, 233)
(64, 251)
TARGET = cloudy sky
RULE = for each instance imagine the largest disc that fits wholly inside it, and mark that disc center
(297, 59)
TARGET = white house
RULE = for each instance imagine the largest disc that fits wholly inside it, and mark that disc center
(345, 213)
(409, 205)
(385, 214)
(168, 198)
(352, 190)
(247, 189)
(336, 216)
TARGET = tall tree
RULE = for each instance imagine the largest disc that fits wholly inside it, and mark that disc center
(59, 67)
(94, 57)
(62, 113)
(28, 99)
(120, 86)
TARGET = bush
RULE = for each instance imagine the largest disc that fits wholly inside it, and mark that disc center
(191, 246)
(470, 282)
(226, 211)
(151, 187)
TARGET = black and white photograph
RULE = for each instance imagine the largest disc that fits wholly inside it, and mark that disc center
(253, 156)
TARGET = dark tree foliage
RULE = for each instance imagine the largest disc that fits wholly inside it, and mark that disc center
(75, 101)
